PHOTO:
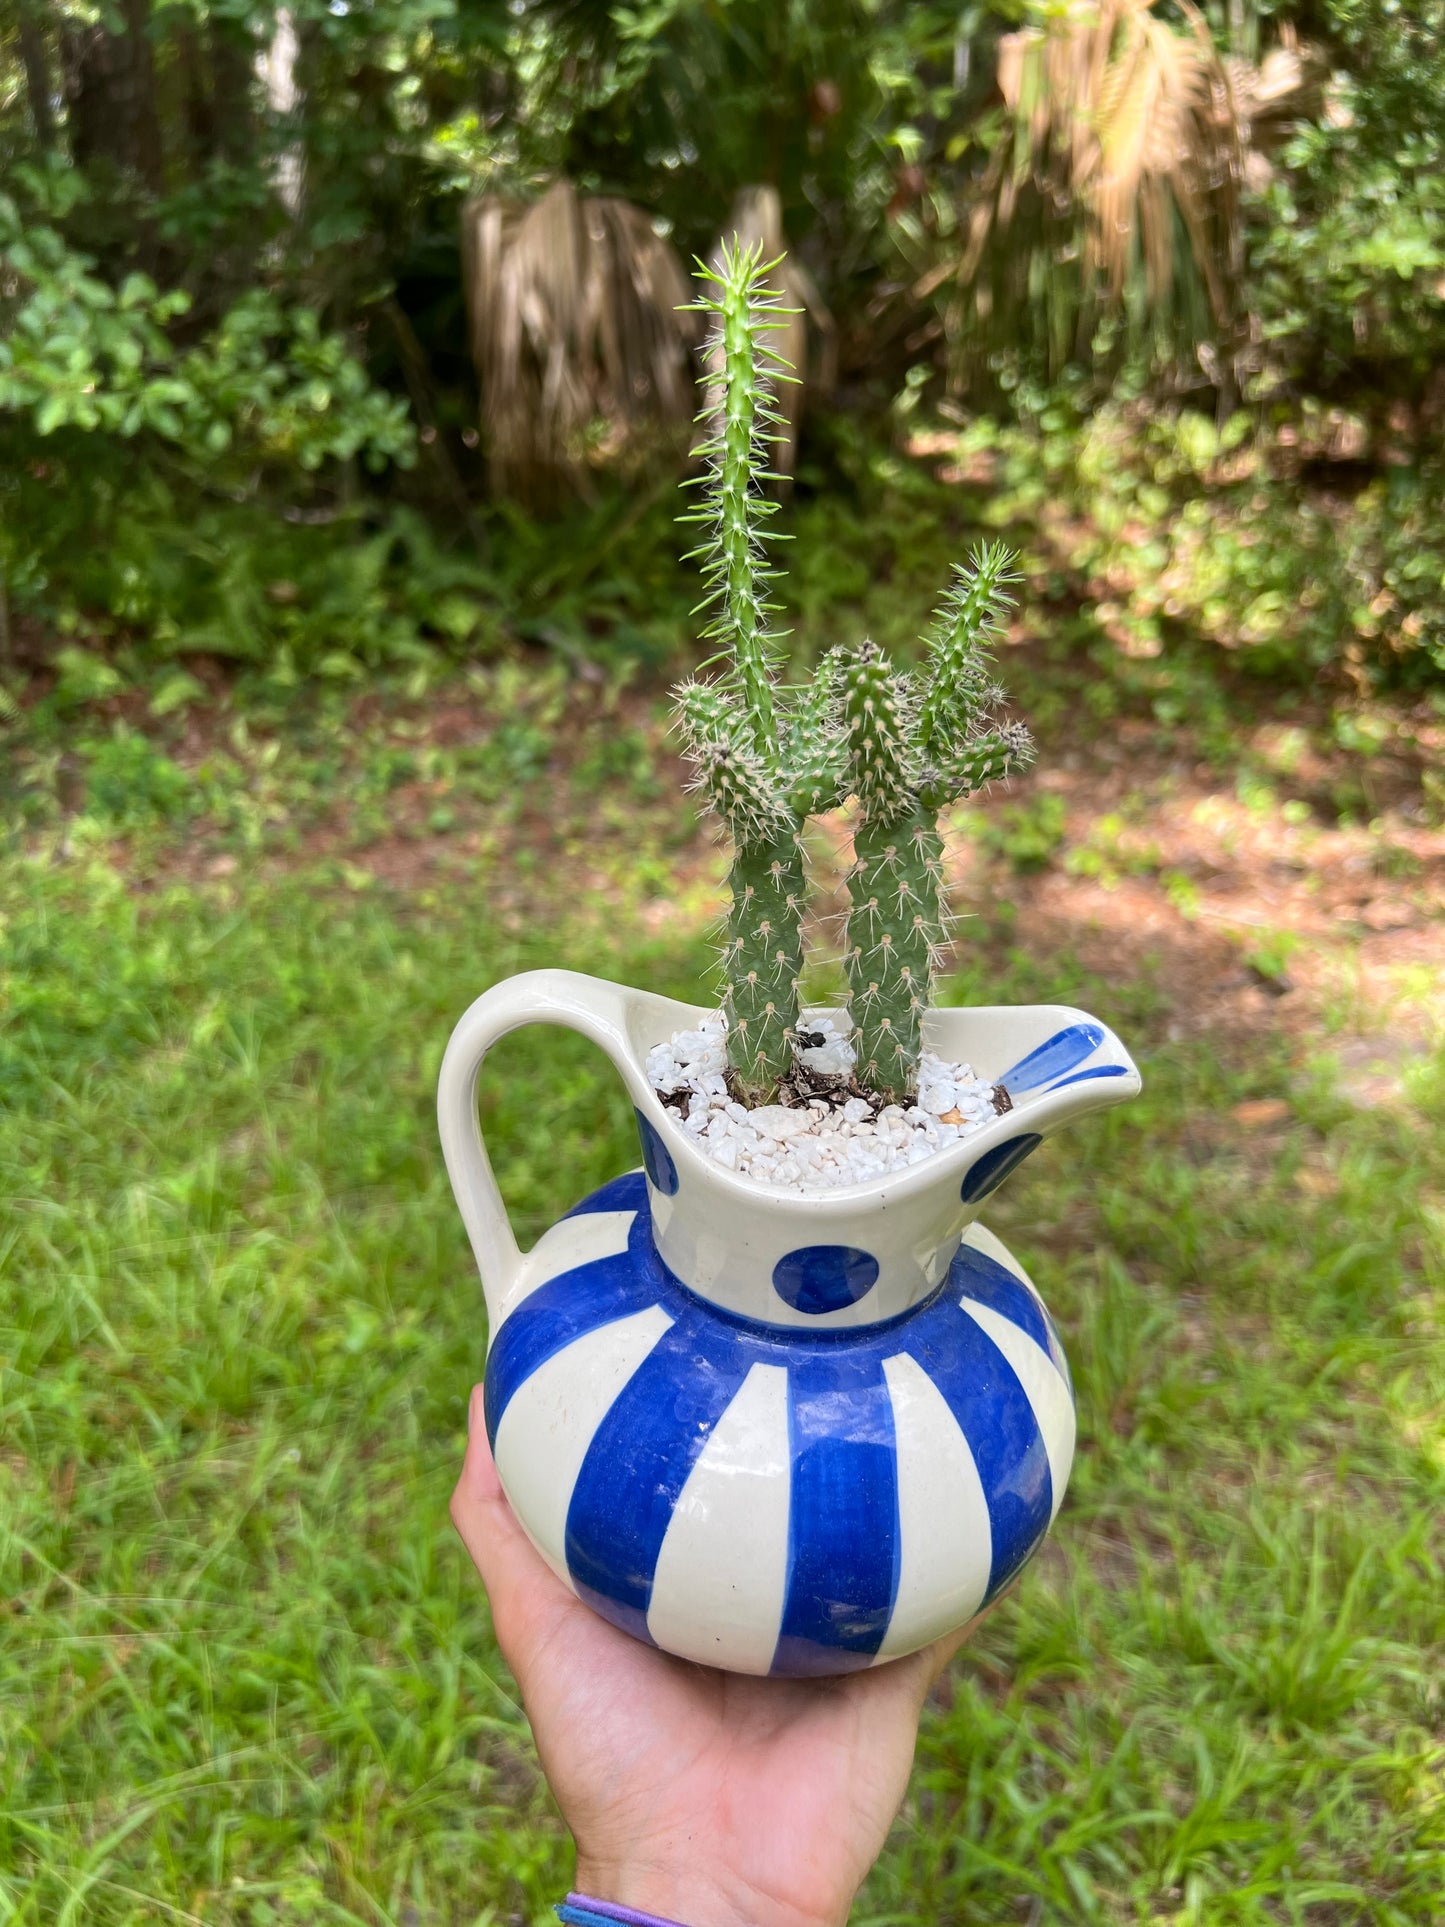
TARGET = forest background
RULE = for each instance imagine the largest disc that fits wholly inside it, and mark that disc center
(234, 339)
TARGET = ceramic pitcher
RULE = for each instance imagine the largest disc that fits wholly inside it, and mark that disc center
(772, 1432)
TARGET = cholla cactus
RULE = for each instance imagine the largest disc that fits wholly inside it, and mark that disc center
(915, 743)
(766, 758)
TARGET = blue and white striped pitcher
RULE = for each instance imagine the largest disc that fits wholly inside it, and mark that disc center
(777, 1433)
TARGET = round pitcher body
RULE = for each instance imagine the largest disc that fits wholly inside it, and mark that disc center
(777, 1432)
(771, 1498)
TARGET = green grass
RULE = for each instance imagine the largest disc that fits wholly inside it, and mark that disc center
(247, 1674)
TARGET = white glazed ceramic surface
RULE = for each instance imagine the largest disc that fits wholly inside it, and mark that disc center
(724, 1235)
(777, 1432)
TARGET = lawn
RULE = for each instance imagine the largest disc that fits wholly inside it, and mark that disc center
(247, 1674)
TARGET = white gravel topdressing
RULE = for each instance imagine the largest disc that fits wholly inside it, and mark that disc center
(818, 1145)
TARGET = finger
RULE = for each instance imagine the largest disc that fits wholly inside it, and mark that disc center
(939, 1656)
(525, 1594)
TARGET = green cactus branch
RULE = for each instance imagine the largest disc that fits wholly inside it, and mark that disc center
(895, 932)
(814, 756)
(915, 745)
(959, 688)
(743, 423)
(762, 759)
(766, 758)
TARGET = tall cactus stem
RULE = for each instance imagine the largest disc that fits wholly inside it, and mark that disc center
(742, 419)
(736, 516)
(764, 962)
(895, 929)
(741, 738)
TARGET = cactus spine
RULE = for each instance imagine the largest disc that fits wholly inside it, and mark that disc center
(915, 745)
(765, 758)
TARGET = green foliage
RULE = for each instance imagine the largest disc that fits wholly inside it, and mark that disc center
(679, 105)
(168, 316)
(78, 354)
(1026, 835)
(117, 443)
(1177, 529)
(116, 554)
(1350, 258)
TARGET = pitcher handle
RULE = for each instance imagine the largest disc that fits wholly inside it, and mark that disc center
(588, 1005)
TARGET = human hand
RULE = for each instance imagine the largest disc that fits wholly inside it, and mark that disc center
(707, 1797)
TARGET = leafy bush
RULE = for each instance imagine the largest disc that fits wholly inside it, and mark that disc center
(118, 555)
(117, 441)
(1349, 261)
(265, 384)
(1177, 526)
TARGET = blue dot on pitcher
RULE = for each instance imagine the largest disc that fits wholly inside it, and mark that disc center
(656, 1158)
(994, 1166)
(822, 1278)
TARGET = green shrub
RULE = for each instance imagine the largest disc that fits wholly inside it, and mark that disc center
(1179, 528)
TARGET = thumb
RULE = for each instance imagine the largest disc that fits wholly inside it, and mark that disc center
(526, 1596)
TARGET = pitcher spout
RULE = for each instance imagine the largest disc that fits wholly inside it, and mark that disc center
(1050, 1065)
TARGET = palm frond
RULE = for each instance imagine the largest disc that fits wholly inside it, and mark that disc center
(1128, 140)
(575, 324)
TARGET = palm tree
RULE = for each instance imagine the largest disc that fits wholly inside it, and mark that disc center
(1115, 182)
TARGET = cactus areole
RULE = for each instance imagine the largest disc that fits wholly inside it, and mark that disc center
(903, 744)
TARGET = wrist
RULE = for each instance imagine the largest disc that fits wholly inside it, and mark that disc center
(694, 1896)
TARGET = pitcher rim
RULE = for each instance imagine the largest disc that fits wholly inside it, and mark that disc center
(1045, 1113)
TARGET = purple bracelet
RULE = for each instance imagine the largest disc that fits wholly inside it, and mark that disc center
(580, 1910)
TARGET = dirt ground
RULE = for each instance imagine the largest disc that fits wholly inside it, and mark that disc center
(1255, 904)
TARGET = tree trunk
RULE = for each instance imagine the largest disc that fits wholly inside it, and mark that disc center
(110, 86)
(233, 53)
(36, 62)
(149, 151)
(198, 115)
(276, 69)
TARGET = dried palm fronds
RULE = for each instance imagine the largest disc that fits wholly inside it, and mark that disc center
(1268, 100)
(575, 328)
(756, 225)
(1125, 137)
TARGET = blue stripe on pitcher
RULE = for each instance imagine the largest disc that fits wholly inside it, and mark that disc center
(837, 1577)
(1058, 1054)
